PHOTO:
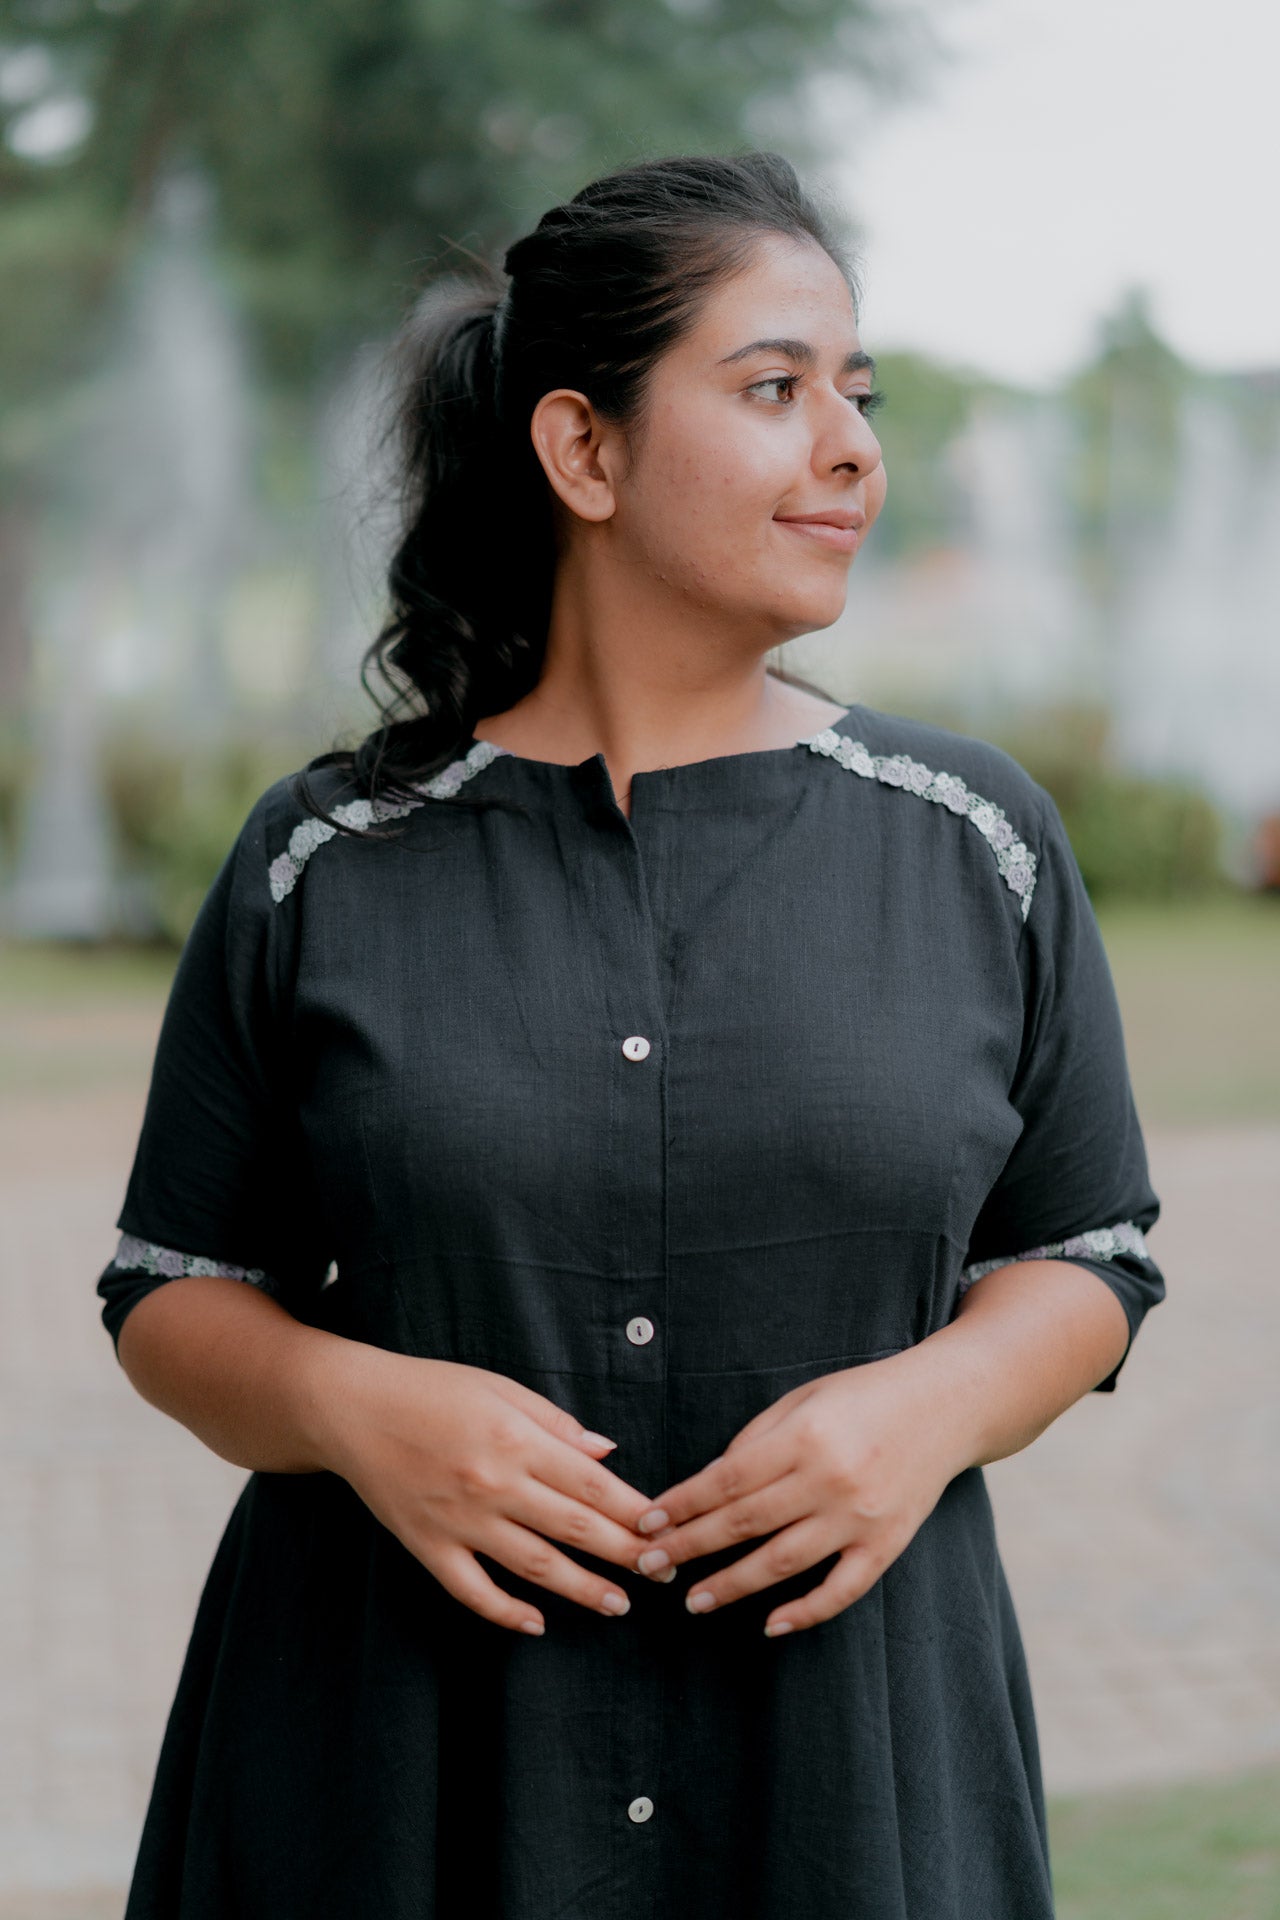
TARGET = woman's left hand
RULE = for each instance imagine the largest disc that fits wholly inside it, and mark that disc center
(852, 1462)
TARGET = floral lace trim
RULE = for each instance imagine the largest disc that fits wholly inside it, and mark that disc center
(1015, 860)
(1099, 1243)
(311, 833)
(143, 1256)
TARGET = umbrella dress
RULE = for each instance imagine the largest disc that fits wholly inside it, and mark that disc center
(661, 1116)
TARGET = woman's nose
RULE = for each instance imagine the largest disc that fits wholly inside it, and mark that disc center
(855, 442)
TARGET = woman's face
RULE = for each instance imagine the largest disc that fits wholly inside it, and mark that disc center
(756, 420)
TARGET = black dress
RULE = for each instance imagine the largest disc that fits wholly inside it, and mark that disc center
(391, 1087)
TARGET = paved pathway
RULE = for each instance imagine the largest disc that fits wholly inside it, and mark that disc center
(1141, 1538)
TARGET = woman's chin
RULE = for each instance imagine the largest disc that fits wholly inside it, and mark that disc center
(820, 607)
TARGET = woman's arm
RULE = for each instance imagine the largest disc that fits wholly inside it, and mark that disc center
(233, 1366)
(1026, 1341)
(454, 1460)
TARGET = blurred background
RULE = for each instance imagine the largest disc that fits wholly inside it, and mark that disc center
(211, 219)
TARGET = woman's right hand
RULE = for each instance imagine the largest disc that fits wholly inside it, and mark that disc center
(456, 1460)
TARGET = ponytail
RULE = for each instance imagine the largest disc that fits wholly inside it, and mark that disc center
(469, 582)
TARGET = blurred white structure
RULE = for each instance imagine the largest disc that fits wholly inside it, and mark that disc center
(158, 494)
(1196, 682)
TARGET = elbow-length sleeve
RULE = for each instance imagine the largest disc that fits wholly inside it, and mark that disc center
(218, 1179)
(1075, 1186)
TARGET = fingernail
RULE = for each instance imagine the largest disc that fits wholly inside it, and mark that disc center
(598, 1439)
(615, 1602)
(783, 1626)
(700, 1602)
(531, 1626)
(655, 1557)
(650, 1522)
(666, 1577)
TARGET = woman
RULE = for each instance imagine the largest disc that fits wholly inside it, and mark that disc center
(675, 1128)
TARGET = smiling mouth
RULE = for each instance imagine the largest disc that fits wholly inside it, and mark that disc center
(842, 539)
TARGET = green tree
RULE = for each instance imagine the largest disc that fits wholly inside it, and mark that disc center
(353, 147)
(345, 139)
(1126, 401)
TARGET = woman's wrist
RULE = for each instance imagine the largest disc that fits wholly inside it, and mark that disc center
(946, 1376)
(327, 1377)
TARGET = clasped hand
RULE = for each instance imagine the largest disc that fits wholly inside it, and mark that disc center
(458, 1461)
(851, 1463)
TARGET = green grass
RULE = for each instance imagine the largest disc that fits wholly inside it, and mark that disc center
(52, 975)
(1199, 991)
(75, 1018)
(1207, 1850)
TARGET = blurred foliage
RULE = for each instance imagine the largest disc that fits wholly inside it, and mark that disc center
(344, 143)
(177, 810)
(1127, 405)
(1135, 837)
(17, 772)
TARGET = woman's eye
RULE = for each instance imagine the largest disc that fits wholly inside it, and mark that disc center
(775, 380)
(866, 402)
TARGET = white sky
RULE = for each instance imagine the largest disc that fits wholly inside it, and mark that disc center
(1068, 150)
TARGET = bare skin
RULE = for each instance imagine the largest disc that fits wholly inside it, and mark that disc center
(677, 574)
(455, 1460)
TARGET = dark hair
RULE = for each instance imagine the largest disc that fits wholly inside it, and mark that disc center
(600, 289)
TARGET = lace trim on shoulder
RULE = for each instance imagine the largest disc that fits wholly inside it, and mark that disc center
(1098, 1243)
(311, 833)
(1015, 860)
(144, 1256)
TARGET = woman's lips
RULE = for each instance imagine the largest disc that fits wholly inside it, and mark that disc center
(843, 539)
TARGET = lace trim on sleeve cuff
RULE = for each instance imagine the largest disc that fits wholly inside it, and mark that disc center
(144, 1256)
(1099, 1243)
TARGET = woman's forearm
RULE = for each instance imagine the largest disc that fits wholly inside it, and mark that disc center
(232, 1365)
(1027, 1341)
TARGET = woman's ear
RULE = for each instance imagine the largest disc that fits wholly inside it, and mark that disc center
(577, 452)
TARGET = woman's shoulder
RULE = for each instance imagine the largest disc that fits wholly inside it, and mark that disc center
(280, 830)
(971, 778)
(901, 750)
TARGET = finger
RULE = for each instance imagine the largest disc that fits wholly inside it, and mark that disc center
(855, 1573)
(535, 1558)
(729, 1477)
(789, 1552)
(575, 1523)
(550, 1417)
(749, 1518)
(460, 1573)
(572, 1472)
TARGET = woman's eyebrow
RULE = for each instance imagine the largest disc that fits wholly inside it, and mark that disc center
(800, 351)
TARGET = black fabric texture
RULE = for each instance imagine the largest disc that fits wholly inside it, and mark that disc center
(866, 1072)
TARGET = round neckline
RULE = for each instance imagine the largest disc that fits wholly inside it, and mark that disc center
(680, 766)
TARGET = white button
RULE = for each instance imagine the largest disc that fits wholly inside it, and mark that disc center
(639, 1331)
(641, 1807)
(636, 1048)
(331, 1276)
